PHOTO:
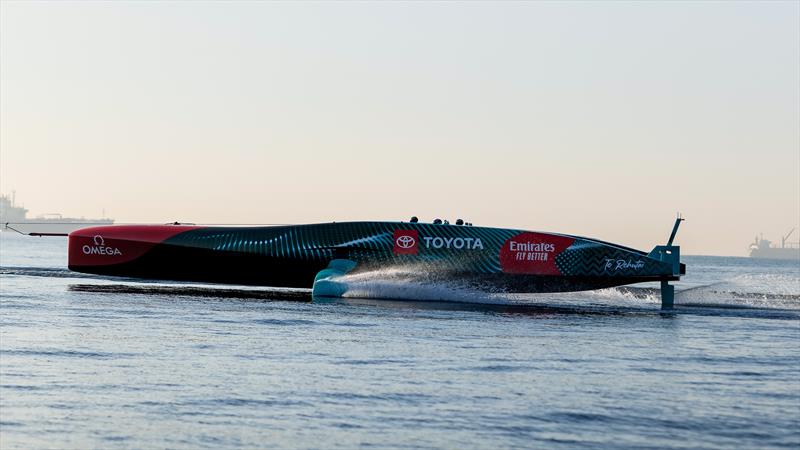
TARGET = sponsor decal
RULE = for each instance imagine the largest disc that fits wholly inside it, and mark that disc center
(458, 243)
(533, 253)
(406, 242)
(529, 251)
(621, 264)
(117, 244)
(100, 248)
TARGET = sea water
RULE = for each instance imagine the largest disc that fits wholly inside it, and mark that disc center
(93, 362)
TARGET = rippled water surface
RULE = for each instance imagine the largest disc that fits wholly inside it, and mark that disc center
(90, 362)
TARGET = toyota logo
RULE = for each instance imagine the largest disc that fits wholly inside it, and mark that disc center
(98, 240)
(406, 242)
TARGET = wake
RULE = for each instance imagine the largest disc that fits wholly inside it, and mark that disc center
(766, 292)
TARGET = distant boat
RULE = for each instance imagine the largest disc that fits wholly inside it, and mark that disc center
(762, 248)
(16, 218)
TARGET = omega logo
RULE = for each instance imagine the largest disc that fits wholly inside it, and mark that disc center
(100, 248)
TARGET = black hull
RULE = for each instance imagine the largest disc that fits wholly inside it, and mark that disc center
(175, 263)
(165, 262)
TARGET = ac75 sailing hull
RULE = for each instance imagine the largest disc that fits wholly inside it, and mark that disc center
(296, 256)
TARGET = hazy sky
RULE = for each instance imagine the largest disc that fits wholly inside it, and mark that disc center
(599, 119)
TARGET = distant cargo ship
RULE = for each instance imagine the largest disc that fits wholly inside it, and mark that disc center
(762, 248)
(16, 218)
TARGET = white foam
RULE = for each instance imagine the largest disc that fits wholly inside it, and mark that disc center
(405, 284)
(763, 290)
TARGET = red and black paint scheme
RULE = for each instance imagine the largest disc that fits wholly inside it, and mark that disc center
(308, 256)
